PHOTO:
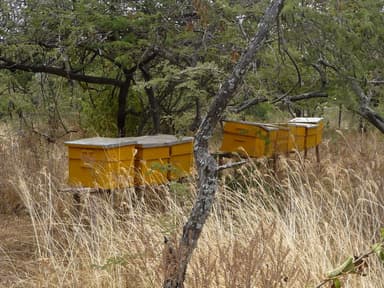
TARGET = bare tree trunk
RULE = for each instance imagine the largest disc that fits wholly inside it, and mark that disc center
(154, 106)
(122, 106)
(207, 168)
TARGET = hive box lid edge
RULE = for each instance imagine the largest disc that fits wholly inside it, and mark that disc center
(306, 120)
(306, 125)
(269, 127)
(101, 142)
(161, 140)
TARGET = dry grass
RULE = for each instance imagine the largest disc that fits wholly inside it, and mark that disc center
(267, 229)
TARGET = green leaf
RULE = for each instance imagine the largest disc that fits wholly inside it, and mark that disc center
(378, 248)
(382, 234)
(336, 283)
(346, 267)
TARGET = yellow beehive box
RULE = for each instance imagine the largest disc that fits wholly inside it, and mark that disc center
(283, 142)
(181, 158)
(252, 139)
(306, 136)
(152, 160)
(291, 136)
(100, 162)
(314, 134)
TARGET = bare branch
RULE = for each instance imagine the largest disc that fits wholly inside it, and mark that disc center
(254, 101)
(326, 64)
(247, 104)
(62, 72)
(322, 73)
(231, 165)
(376, 82)
(308, 95)
(240, 22)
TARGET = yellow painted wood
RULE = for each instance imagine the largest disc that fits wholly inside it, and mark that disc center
(257, 140)
(104, 163)
(283, 144)
(299, 137)
(110, 163)
(306, 136)
(251, 139)
(150, 153)
(152, 159)
(181, 159)
(100, 153)
(151, 165)
(104, 175)
(151, 171)
(245, 128)
(318, 131)
(172, 156)
(182, 148)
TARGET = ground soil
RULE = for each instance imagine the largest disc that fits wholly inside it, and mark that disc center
(17, 250)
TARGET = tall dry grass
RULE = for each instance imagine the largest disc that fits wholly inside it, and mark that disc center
(267, 229)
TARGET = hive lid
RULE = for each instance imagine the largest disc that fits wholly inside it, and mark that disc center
(161, 140)
(306, 125)
(102, 142)
(311, 120)
(268, 127)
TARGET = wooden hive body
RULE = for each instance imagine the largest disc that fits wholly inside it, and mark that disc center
(252, 139)
(308, 132)
(101, 162)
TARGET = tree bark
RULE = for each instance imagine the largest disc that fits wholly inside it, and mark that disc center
(154, 106)
(197, 120)
(180, 256)
(122, 106)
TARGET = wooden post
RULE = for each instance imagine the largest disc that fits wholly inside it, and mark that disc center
(275, 157)
(305, 143)
(340, 115)
(317, 153)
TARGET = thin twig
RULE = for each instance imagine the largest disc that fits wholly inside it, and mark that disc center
(231, 165)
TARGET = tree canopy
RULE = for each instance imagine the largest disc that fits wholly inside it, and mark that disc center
(153, 66)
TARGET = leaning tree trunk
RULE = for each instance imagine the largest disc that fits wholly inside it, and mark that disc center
(177, 258)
